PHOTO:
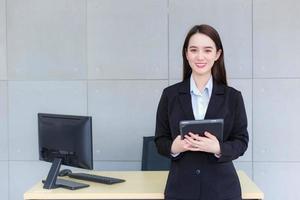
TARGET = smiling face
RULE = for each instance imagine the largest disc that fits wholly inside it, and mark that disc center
(201, 54)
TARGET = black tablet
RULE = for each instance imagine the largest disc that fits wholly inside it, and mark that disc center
(214, 126)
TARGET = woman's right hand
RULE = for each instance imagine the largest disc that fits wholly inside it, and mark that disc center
(179, 145)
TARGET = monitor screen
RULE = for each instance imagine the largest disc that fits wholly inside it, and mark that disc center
(66, 137)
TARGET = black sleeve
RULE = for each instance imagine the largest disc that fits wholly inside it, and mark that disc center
(163, 138)
(237, 142)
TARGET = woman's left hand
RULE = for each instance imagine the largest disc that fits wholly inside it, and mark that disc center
(207, 143)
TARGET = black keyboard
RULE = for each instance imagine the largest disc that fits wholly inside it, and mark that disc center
(96, 178)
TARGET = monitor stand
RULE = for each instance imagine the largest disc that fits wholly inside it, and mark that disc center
(52, 182)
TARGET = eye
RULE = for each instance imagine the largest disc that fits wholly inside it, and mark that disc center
(208, 50)
(193, 50)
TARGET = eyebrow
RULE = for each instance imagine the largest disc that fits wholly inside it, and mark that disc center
(206, 47)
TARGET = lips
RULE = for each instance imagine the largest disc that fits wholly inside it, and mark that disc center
(200, 65)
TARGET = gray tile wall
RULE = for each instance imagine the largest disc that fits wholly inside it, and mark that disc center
(3, 68)
(127, 39)
(46, 39)
(111, 59)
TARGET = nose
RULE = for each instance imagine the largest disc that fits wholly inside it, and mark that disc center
(200, 55)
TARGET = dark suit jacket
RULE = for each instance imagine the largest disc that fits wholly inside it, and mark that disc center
(200, 175)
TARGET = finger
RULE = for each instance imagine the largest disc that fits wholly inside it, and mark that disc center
(194, 136)
(204, 139)
(188, 146)
(193, 144)
(190, 142)
(196, 147)
(209, 135)
(200, 145)
(191, 133)
(178, 138)
(193, 148)
(189, 138)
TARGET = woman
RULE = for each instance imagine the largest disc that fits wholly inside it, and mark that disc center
(202, 167)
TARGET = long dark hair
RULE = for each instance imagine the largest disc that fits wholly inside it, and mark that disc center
(218, 69)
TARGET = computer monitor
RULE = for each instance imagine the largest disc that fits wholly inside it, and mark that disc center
(64, 139)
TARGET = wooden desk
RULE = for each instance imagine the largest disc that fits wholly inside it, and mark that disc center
(138, 185)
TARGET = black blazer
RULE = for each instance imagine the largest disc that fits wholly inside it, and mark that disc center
(200, 175)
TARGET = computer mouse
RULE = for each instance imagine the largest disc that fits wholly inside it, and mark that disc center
(64, 172)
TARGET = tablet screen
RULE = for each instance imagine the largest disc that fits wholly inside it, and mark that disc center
(213, 126)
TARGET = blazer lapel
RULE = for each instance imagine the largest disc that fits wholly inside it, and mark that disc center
(216, 101)
(185, 100)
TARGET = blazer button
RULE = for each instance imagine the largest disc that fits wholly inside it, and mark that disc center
(198, 171)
